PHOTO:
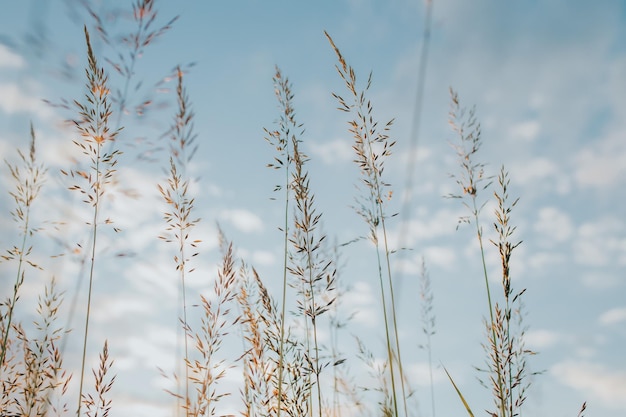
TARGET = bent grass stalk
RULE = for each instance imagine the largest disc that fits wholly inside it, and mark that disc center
(93, 127)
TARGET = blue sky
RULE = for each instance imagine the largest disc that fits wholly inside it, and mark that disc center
(548, 80)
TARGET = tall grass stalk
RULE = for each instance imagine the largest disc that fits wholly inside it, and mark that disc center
(507, 355)
(315, 274)
(93, 127)
(372, 147)
(280, 140)
(471, 180)
(179, 218)
(29, 178)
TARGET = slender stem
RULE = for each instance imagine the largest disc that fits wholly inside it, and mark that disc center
(184, 295)
(281, 360)
(313, 320)
(16, 287)
(393, 311)
(430, 372)
(91, 273)
(491, 323)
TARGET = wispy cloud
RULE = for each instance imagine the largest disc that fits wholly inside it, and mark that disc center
(9, 59)
(13, 99)
(527, 131)
(604, 163)
(601, 242)
(553, 225)
(244, 220)
(332, 152)
(596, 381)
(613, 316)
(540, 339)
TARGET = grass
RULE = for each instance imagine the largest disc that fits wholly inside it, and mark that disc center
(285, 367)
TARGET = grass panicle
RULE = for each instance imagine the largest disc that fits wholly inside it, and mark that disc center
(508, 355)
(506, 367)
(314, 275)
(372, 147)
(206, 371)
(29, 177)
(257, 368)
(129, 47)
(428, 319)
(179, 217)
(99, 403)
(38, 382)
(280, 140)
(91, 182)
(266, 352)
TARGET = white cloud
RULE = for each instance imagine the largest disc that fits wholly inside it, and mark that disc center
(600, 280)
(333, 152)
(613, 316)
(119, 307)
(263, 257)
(601, 242)
(420, 373)
(535, 171)
(526, 131)
(596, 381)
(543, 259)
(440, 255)
(604, 163)
(541, 338)
(360, 300)
(14, 100)
(553, 225)
(244, 220)
(9, 59)
(427, 226)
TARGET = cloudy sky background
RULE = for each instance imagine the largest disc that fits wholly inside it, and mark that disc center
(549, 83)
